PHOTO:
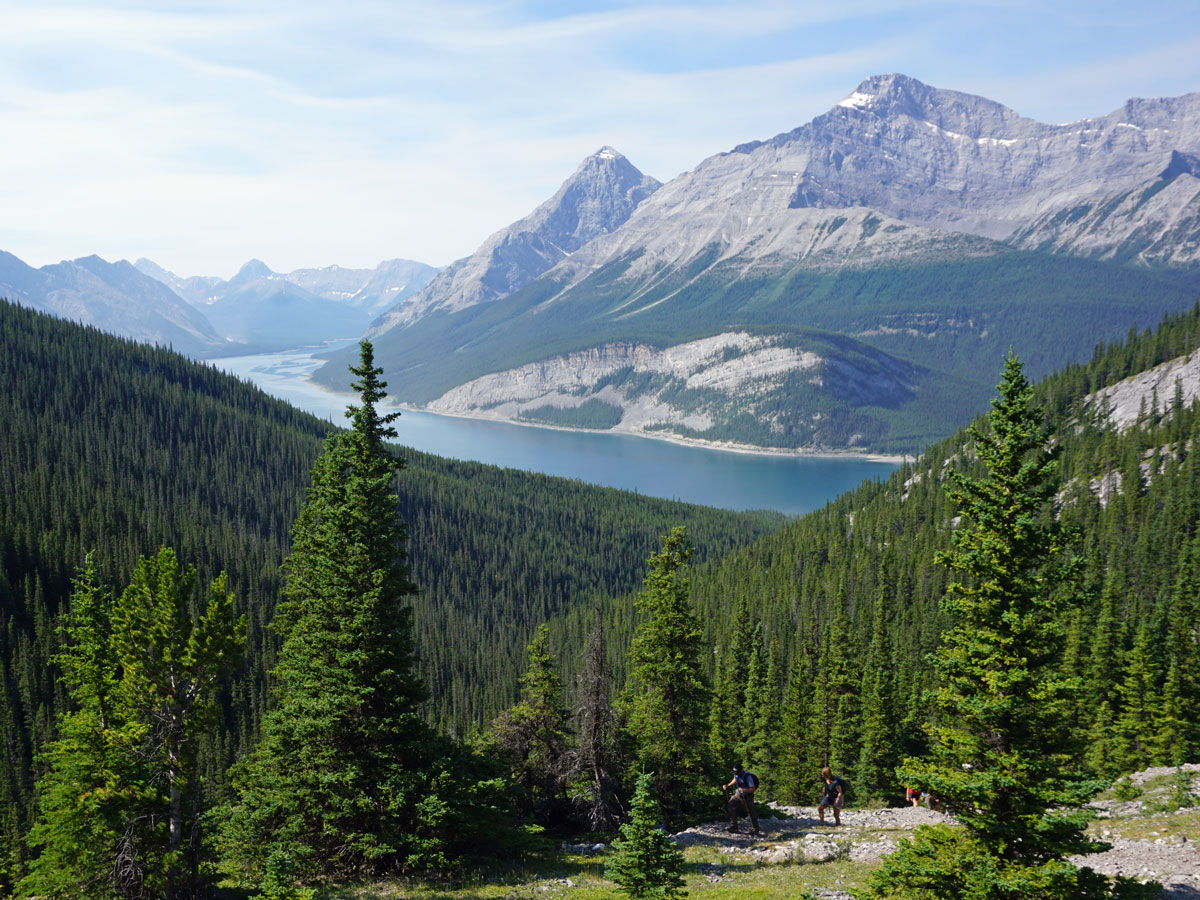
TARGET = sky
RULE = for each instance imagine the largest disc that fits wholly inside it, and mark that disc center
(201, 135)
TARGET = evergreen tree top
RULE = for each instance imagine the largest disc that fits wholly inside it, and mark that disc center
(366, 420)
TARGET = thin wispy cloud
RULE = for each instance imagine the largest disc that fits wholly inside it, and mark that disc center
(309, 133)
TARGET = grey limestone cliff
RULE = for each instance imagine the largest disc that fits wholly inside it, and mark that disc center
(1157, 223)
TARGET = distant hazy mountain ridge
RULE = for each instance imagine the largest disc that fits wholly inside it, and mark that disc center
(371, 290)
(266, 309)
(205, 316)
(114, 297)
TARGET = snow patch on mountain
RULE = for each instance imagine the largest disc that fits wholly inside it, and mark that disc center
(941, 171)
(857, 100)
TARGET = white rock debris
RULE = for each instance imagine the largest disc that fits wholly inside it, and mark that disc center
(869, 835)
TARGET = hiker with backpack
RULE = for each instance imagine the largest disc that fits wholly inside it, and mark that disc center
(744, 785)
(835, 795)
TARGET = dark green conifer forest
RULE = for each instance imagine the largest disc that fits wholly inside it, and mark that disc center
(119, 449)
(843, 588)
(789, 646)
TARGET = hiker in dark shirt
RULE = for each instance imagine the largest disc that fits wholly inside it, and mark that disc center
(835, 794)
(744, 785)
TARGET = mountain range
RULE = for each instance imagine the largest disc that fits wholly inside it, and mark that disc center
(370, 291)
(265, 309)
(850, 284)
(114, 297)
(883, 256)
(205, 316)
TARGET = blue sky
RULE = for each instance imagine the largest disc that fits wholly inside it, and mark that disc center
(306, 134)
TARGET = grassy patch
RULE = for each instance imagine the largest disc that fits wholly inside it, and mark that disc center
(710, 874)
(1183, 823)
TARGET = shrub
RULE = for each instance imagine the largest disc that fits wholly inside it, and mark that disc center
(645, 863)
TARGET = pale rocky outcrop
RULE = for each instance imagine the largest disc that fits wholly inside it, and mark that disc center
(1129, 398)
(734, 364)
(1165, 854)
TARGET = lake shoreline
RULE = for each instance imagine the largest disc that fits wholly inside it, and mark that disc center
(724, 475)
(678, 439)
(682, 440)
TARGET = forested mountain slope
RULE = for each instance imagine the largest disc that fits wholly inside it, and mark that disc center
(821, 631)
(115, 446)
(899, 349)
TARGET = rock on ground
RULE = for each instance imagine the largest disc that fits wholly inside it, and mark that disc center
(800, 837)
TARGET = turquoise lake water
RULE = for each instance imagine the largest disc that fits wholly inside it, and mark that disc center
(722, 478)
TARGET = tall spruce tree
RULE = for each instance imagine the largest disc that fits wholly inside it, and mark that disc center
(1181, 730)
(843, 684)
(94, 785)
(1140, 705)
(766, 723)
(799, 753)
(533, 736)
(729, 692)
(335, 782)
(833, 720)
(666, 697)
(750, 749)
(998, 759)
(121, 802)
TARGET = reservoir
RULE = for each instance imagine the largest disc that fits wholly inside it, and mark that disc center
(658, 468)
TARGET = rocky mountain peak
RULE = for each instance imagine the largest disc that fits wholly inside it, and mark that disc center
(886, 91)
(595, 200)
(121, 272)
(153, 269)
(894, 96)
(254, 270)
(606, 160)
(604, 153)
